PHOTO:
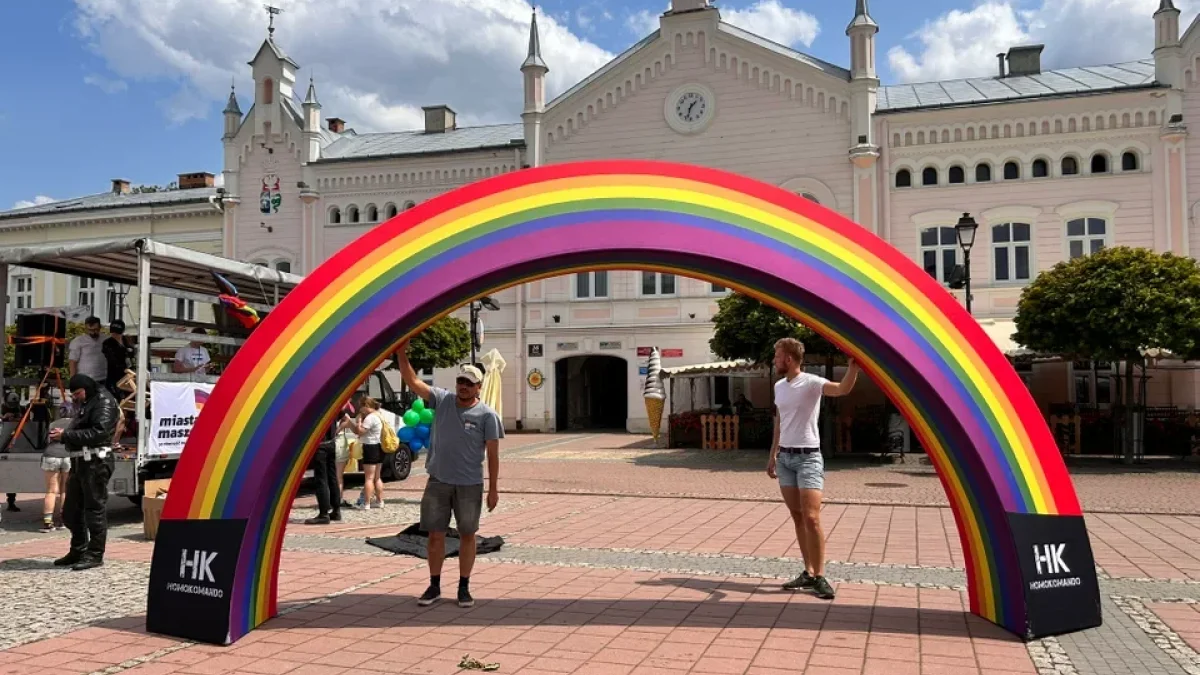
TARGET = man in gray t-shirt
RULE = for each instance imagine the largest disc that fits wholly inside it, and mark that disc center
(463, 429)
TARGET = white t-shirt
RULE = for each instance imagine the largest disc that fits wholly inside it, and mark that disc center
(194, 356)
(372, 430)
(799, 404)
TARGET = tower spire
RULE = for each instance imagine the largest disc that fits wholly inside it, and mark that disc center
(271, 13)
(534, 58)
(311, 97)
(231, 106)
(862, 16)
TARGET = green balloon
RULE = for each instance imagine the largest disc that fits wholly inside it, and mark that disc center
(418, 405)
(412, 418)
(426, 416)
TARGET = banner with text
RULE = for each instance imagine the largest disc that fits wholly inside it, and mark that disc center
(174, 407)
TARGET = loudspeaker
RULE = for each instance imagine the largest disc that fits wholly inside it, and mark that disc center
(38, 355)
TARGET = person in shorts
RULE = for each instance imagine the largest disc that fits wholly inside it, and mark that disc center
(464, 429)
(56, 466)
(369, 427)
(796, 456)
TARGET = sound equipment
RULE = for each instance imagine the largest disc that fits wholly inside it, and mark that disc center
(29, 352)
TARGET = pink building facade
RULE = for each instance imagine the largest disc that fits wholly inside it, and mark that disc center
(1052, 164)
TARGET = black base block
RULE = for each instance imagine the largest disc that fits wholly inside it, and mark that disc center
(192, 579)
(1058, 572)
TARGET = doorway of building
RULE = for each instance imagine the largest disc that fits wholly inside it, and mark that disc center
(591, 393)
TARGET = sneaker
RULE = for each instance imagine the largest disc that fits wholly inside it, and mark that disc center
(378, 503)
(822, 588)
(805, 580)
(432, 594)
(47, 527)
(464, 597)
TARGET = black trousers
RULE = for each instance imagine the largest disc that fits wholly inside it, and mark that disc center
(85, 505)
(329, 497)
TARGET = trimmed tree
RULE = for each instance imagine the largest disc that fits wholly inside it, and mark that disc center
(1113, 305)
(443, 344)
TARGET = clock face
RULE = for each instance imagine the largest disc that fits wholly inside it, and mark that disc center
(690, 107)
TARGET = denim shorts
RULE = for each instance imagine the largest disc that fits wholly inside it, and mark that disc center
(56, 464)
(442, 499)
(806, 472)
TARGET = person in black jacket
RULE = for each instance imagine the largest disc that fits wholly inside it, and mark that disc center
(88, 442)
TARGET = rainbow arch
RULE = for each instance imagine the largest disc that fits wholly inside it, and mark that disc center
(988, 441)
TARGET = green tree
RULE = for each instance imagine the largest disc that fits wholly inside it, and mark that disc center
(443, 344)
(1114, 305)
(748, 329)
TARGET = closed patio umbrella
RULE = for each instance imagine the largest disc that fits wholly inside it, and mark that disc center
(491, 393)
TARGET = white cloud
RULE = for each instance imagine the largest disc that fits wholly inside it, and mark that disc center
(376, 61)
(107, 85)
(36, 201)
(772, 20)
(643, 22)
(1076, 33)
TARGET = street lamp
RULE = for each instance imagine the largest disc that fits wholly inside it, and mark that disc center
(965, 229)
(483, 303)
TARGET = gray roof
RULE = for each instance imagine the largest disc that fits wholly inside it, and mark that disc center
(269, 43)
(397, 144)
(1050, 83)
(787, 52)
(110, 200)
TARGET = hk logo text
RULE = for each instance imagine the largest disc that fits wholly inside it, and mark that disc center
(1048, 558)
(200, 565)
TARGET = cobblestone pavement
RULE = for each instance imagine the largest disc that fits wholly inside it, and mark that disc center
(618, 581)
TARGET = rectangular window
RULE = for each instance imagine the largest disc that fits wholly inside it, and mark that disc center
(185, 309)
(87, 294)
(1010, 251)
(23, 291)
(655, 283)
(717, 288)
(1094, 383)
(591, 285)
(939, 252)
(1086, 236)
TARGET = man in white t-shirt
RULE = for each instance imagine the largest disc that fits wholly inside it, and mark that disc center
(796, 455)
(192, 359)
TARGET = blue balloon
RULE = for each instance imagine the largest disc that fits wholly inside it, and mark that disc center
(405, 434)
(423, 432)
(416, 445)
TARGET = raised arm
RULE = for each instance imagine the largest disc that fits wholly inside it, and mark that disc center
(409, 375)
(835, 389)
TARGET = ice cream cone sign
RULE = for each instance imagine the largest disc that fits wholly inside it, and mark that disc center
(654, 394)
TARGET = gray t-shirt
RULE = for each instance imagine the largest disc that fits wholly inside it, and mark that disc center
(88, 354)
(458, 439)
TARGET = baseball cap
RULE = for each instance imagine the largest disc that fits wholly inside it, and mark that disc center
(117, 325)
(471, 373)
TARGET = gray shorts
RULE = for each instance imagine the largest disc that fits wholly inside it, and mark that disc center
(440, 499)
(795, 470)
(56, 464)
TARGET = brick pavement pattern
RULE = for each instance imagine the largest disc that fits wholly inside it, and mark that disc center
(623, 581)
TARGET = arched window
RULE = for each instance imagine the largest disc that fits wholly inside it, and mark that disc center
(1012, 171)
(1099, 163)
(389, 211)
(983, 172)
(284, 266)
(1129, 161)
(409, 204)
(929, 176)
(372, 213)
(1041, 168)
(1070, 166)
(810, 197)
(268, 91)
(335, 216)
(903, 178)
(957, 175)
(352, 214)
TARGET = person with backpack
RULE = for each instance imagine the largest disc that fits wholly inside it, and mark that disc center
(369, 427)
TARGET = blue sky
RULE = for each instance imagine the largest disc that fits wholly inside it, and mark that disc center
(134, 88)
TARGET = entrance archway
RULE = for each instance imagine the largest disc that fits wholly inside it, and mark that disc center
(1028, 560)
(591, 393)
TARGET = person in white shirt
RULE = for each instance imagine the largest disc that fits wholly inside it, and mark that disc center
(192, 359)
(369, 427)
(796, 456)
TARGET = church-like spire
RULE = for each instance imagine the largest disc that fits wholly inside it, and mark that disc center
(1166, 6)
(535, 46)
(311, 97)
(231, 107)
(862, 15)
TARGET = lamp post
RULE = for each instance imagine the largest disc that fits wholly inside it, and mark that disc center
(475, 306)
(965, 229)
